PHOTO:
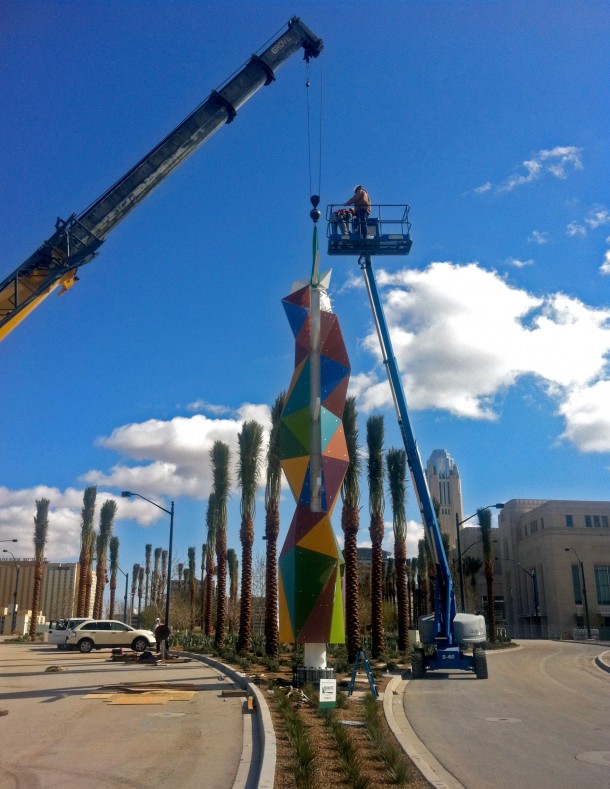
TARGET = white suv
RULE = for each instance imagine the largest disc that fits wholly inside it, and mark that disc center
(108, 634)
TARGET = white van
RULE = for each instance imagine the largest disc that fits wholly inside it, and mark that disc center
(59, 630)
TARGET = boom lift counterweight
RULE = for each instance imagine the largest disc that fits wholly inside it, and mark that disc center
(76, 241)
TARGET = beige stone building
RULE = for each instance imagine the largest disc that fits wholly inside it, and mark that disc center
(57, 594)
(445, 486)
(554, 564)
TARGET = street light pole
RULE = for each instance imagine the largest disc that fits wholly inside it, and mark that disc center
(584, 591)
(125, 601)
(459, 547)
(128, 494)
(17, 569)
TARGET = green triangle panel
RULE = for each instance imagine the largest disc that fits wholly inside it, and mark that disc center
(318, 625)
(290, 446)
(298, 397)
(312, 571)
(337, 627)
(329, 424)
(296, 316)
(300, 297)
(298, 423)
(331, 374)
(287, 570)
(335, 400)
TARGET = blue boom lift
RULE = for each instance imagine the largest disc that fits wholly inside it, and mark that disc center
(445, 634)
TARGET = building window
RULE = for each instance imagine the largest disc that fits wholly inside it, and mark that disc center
(576, 584)
(605, 521)
(588, 522)
(533, 527)
(602, 584)
(596, 522)
(541, 524)
(569, 521)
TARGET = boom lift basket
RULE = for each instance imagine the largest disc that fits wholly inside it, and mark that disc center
(388, 226)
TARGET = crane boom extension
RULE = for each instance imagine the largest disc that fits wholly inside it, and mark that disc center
(77, 240)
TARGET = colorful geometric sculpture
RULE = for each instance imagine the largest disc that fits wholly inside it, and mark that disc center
(314, 458)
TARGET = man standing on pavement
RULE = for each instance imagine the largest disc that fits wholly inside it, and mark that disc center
(362, 203)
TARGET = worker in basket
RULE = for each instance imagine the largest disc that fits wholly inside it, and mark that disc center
(342, 220)
(362, 204)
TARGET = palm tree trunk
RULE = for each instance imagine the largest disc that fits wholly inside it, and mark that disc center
(221, 587)
(402, 601)
(272, 530)
(246, 535)
(376, 532)
(350, 517)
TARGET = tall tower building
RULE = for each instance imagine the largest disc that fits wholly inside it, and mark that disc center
(445, 487)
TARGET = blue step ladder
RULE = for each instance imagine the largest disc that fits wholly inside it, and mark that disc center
(361, 655)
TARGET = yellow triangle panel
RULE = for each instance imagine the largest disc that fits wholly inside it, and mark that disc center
(286, 633)
(322, 539)
(295, 470)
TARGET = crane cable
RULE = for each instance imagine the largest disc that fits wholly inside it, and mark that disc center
(314, 198)
(309, 124)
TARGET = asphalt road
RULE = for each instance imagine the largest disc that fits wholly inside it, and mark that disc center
(542, 719)
(54, 737)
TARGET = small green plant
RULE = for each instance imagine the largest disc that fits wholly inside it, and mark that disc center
(346, 750)
(299, 738)
(392, 756)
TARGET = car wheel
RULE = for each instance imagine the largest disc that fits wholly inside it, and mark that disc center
(140, 644)
(86, 645)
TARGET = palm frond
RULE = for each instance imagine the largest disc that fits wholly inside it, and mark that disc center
(374, 440)
(250, 441)
(396, 462)
(274, 469)
(350, 489)
(41, 527)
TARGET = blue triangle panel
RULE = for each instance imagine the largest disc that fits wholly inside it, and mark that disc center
(296, 316)
(331, 373)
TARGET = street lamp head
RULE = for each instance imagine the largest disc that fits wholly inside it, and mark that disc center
(499, 506)
(126, 494)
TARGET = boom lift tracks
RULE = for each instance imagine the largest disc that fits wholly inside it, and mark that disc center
(76, 240)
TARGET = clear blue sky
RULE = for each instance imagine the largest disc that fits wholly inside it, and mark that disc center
(489, 118)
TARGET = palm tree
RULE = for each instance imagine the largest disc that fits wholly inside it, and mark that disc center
(204, 550)
(209, 569)
(272, 529)
(192, 584)
(396, 461)
(250, 440)
(219, 457)
(89, 573)
(484, 516)
(41, 527)
(350, 523)
(135, 572)
(233, 568)
(471, 566)
(423, 578)
(107, 514)
(87, 514)
(147, 555)
(114, 568)
(154, 590)
(374, 440)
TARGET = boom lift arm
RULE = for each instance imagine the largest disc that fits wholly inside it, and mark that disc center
(76, 240)
(445, 631)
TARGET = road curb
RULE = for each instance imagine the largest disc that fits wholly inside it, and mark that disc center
(257, 764)
(603, 661)
(429, 766)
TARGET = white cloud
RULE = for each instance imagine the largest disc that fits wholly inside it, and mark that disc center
(175, 453)
(537, 237)
(17, 511)
(587, 417)
(574, 229)
(520, 263)
(605, 266)
(555, 161)
(462, 335)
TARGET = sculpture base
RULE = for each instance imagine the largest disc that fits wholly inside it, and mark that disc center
(303, 674)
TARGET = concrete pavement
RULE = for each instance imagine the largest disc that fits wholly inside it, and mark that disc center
(52, 736)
